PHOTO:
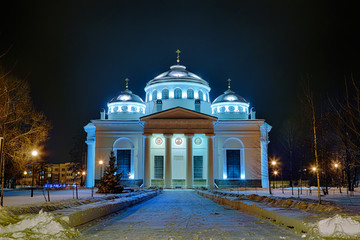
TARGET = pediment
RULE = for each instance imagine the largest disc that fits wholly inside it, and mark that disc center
(178, 113)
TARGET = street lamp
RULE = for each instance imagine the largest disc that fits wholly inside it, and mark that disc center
(273, 165)
(81, 177)
(34, 153)
(101, 162)
(275, 174)
(337, 166)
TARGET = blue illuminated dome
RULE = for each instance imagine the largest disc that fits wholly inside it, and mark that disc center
(126, 106)
(177, 87)
(177, 73)
(229, 96)
(127, 96)
(230, 106)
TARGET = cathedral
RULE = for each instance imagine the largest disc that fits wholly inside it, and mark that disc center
(178, 137)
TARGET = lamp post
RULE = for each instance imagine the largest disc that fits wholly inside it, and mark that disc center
(101, 162)
(337, 166)
(34, 154)
(275, 174)
(273, 165)
(82, 176)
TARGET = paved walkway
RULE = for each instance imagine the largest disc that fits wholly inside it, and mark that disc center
(183, 214)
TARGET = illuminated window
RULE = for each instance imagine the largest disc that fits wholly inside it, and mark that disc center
(165, 93)
(198, 167)
(154, 95)
(177, 93)
(159, 167)
(233, 163)
(201, 95)
(190, 94)
(123, 161)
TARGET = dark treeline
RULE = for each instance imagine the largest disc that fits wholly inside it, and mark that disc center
(337, 128)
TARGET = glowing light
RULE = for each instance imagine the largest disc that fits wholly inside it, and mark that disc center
(25, 172)
(101, 162)
(184, 95)
(125, 97)
(150, 97)
(171, 94)
(336, 165)
(34, 153)
(131, 176)
(224, 176)
(273, 162)
(242, 176)
(226, 108)
(83, 173)
(231, 98)
(159, 95)
(236, 108)
(314, 169)
(196, 95)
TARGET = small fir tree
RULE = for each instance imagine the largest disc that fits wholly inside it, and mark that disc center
(110, 181)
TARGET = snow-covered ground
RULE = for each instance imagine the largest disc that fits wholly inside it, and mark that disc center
(24, 220)
(346, 200)
(183, 214)
(176, 214)
(21, 197)
(337, 218)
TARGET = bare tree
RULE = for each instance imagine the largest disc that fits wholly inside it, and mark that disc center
(22, 127)
(346, 122)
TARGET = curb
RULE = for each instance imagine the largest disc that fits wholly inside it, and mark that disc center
(82, 214)
(254, 209)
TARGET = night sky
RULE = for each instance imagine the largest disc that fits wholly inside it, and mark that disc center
(76, 54)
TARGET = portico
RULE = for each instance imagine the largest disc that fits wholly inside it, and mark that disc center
(178, 149)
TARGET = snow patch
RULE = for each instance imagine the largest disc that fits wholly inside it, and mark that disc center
(338, 226)
(36, 226)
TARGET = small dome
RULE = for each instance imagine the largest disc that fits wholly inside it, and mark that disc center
(229, 96)
(177, 73)
(127, 96)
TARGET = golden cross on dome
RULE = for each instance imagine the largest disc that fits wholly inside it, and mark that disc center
(126, 83)
(229, 80)
(178, 56)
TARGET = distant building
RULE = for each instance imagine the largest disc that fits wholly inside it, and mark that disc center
(177, 137)
(49, 173)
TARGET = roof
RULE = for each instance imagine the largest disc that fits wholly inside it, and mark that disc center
(177, 73)
(127, 96)
(229, 96)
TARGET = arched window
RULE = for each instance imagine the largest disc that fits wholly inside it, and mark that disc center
(201, 95)
(190, 93)
(165, 93)
(154, 95)
(177, 93)
(234, 165)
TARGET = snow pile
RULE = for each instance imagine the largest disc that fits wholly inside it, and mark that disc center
(34, 226)
(338, 227)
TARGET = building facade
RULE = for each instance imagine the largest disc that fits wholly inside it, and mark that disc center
(177, 137)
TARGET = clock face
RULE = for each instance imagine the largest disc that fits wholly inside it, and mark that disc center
(178, 141)
(198, 141)
(158, 141)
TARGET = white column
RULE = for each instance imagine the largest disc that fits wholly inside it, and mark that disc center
(189, 161)
(210, 160)
(90, 176)
(168, 176)
(147, 179)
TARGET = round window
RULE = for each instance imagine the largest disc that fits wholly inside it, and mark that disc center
(158, 141)
(178, 141)
(198, 141)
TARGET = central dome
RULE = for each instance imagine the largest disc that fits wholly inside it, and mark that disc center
(177, 73)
